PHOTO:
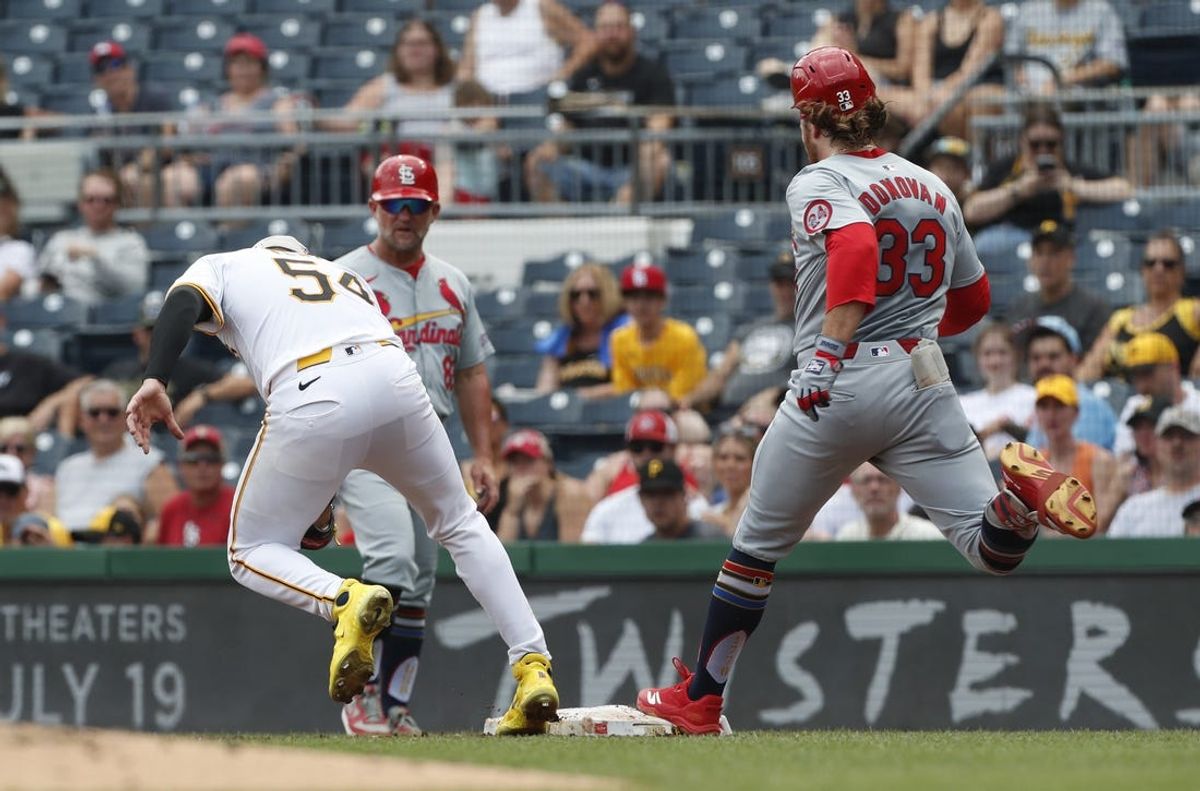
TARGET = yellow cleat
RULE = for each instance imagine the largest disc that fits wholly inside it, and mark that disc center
(359, 613)
(535, 703)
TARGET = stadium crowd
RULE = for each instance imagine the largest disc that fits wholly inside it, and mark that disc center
(660, 413)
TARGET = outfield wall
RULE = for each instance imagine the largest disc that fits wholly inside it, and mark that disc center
(1104, 634)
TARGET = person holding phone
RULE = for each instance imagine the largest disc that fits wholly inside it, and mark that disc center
(1038, 183)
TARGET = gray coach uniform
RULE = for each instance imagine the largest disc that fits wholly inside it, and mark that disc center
(435, 317)
(917, 435)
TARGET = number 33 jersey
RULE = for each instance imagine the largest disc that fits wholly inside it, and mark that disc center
(924, 248)
(274, 306)
(431, 309)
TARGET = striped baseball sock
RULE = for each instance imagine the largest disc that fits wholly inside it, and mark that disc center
(1006, 533)
(398, 653)
(738, 602)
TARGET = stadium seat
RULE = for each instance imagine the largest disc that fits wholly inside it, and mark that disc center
(31, 38)
(43, 9)
(339, 238)
(323, 8)
(706, 300)
(516, 370)
(73, 69)
(718, 22)
(289, 68)
(757, 301)
(541, 304)
(47, 343)
(189, 67)
(552, 270)
(292, 33)
(247, 235)
(463, 6)
(608, 414)
(753, 267)
(376, 6)
(164, 273)
(184, 236)
(351, 66)
(714, 330)
(245, 414)
(70, 99)
(335, 95)
(53, 310)
(124, 312)
(232, 8)
(125, 9)
(700, 266)
(1131, 215)
(556, 412)
(30, 71)
(1115, 391)
(1176, 16)
(1183, 214)
(1164, 57)
(1105, 253)
(458, 437)
(503, 305)
(698, 60)
(200, 34)
(365, 32)
(652, 27)
(513, 339)
(798, 22)
(52, 448)
(744, 225)
(738, 91)
(85, 33)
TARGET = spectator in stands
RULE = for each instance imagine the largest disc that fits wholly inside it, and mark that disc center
(654, 352)
(115, 77)
(618, 517)
(1163, 152)
(733, 455)
(541, 504)
(1057, 411)
(189, 373)
(17, 439)
(1052, 347)
(1002, 410)
(694, 452)
(1136, 470)
(577, 355)
(112, 467)
(419, 79)
(1083, 39)
(239, 176)
(951, 44)
(878, 496)
(1037, 184)
(1191, 519)
(119, 524)
(1159, 512)
(1152, 366)
(617, 77)
(759, 357)
(39, 530)
(474, 168)
(881, 36)
(949, 158)
(1166, 311)
(17, 257)
(199, 515)
(516, 46)
(12, 496)
(98, 261)
(1052, 262)
(35, 386)
(661, 492)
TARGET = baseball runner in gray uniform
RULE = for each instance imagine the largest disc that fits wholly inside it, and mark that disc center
(431, 307)
(884, 266)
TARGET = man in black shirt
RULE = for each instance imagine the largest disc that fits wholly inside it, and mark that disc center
(34, 386)
(617, 77)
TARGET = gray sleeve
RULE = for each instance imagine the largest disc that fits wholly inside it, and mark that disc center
(53, 254)
(476, 345)
(1110, 38)
(124, 265)
(967, 266)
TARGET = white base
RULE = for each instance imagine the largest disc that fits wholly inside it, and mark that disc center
(606, 721)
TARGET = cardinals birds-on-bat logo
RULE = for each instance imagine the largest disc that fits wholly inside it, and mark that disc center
(385, 307)
(450, 297)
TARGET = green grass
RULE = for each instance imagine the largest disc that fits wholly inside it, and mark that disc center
(834, 760)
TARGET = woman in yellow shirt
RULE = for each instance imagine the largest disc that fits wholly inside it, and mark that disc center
(652, 351)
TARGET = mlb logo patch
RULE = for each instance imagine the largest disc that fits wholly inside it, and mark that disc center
(815, 366)
(880, 351)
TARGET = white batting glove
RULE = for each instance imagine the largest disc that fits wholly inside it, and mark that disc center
(814, 382)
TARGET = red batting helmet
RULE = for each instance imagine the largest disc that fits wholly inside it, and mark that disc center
(404, 176)
(834, 76)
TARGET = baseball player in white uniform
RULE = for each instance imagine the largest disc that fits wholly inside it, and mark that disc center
(431, 307)
(884, 266)
(341, 394)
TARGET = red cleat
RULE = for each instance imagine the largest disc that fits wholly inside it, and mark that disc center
(1061, 501)
(673, 705)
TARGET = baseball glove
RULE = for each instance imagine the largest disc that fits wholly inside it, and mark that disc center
(322, 530)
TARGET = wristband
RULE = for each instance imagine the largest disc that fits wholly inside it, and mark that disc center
(829, 348)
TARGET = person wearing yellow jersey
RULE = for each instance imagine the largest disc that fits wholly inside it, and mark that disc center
(654, 352)
(1166, 312)
(1057, 410)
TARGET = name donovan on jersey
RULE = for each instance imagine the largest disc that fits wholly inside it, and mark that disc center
(884, 191)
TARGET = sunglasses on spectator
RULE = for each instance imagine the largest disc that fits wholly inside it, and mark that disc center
(415, 206)
(577, 294)
(15, 449)
(201, 458)
(643, 445)
(1165, 263)
(95, 413)
(10, 489)
(108, 64)
(106, 199)
(1044, 143)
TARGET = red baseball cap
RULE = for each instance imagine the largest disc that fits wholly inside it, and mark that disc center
(404, 176)
(643, 278)
(527, 442)
(652, 425)
(106, 49)
(207, 434)
(246, 44)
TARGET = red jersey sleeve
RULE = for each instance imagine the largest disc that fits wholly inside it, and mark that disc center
(852, 266)
(965, 306)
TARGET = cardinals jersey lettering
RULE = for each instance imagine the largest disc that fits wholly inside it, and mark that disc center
(272, 307)
(924, 248)
(433, 314)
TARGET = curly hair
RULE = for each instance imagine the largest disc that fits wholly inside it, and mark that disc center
(443, 65)
(610, 293)
(851, 130)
